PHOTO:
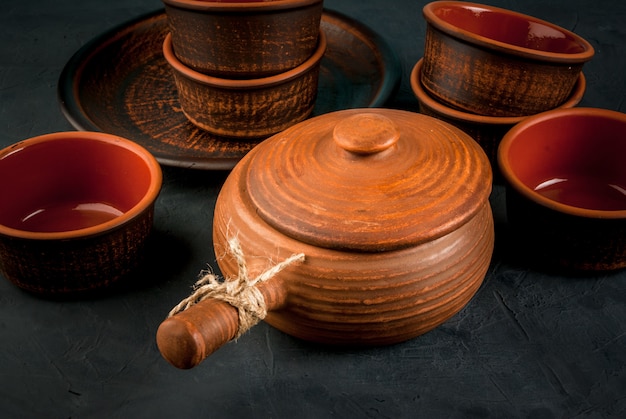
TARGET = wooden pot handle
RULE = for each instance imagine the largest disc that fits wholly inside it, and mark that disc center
(190, 336)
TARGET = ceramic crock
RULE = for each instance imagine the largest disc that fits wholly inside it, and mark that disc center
(566, 189)
(390, 210)
(77, 211)
(243, 39)
(250, 108)
(496, 62)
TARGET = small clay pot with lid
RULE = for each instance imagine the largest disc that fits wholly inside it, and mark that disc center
(389, 210)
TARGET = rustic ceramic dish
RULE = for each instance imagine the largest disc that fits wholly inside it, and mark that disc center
(496, 62)
(80, 209)
(566, 199)
(486, 130)
(390, 210)
(250, 39)
(251, 108)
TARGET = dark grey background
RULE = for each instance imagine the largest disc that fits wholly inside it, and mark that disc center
(530, 344)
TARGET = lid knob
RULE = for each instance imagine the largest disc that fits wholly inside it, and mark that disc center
(366, 133)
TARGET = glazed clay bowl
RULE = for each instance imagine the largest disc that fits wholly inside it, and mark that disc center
(244, 39)
(80, 210)
(486, 130)
(389, 210)
(496, 62)
(566, 188)
(251, 108)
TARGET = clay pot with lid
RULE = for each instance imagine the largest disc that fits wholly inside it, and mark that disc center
(390, 210)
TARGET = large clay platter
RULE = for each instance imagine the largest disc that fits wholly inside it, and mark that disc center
(120, 83)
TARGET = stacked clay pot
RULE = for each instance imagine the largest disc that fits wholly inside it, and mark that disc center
(485, 68)
(245, 69)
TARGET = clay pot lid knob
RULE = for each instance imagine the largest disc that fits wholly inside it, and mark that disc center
(366, 134)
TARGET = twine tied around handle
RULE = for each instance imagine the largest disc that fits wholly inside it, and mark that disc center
(240, 292)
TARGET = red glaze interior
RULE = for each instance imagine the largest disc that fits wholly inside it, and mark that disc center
(574, 158)
(509, 27)
(54, 177)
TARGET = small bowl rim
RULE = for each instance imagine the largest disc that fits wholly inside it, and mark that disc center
(574, 98)
(148, 199)
(505, 165)
(243, 6)
(229, 83)
(456, 32)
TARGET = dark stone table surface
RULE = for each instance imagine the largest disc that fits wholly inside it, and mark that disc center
(530, 344)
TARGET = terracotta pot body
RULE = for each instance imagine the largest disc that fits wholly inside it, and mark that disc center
(253, 108)
(486, 130)
(81, 211)
(496, 62)
(244, 39)
(390, 211)
(383, 264)
(566, 188)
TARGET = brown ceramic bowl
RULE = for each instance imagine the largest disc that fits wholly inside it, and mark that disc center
(390, 212)
(253, 108)
(244, 39)
(77, 211)
(496, 62)
(566, 195)
(486, 130)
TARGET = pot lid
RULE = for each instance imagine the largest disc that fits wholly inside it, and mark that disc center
(368, 179)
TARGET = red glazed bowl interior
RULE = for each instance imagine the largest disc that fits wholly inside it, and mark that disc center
(505, 29)
(570, 160)
(73, 184)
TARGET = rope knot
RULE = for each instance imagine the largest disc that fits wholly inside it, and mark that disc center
(240, 292)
